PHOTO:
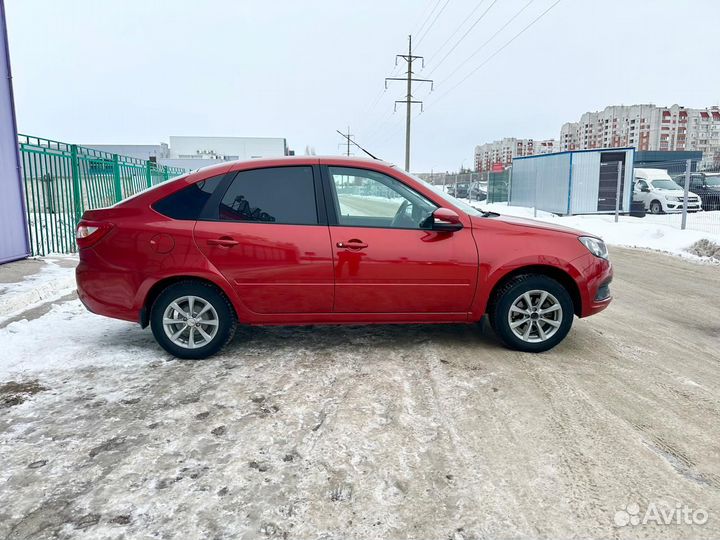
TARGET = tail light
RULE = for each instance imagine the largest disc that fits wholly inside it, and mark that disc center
(89, 233)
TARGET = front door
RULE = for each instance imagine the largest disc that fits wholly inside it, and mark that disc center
(266, 238)
(608, 185)
(384, 260)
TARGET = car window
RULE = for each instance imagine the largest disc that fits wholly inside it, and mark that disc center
(283, 195)
(371, 199)
(641, 184)
(665, 184)
(188, 202)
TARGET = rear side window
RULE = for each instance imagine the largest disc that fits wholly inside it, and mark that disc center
(283, 195)
(189, 201)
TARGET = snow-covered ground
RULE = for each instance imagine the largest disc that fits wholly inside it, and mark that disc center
(384, 431)
(54, 279)
(650, 232)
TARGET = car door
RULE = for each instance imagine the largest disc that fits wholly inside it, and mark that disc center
(639, 194)
(267, 234)
(385, 261)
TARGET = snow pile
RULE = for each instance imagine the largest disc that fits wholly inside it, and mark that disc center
(706, 248)
(52, 282)
(647, 233)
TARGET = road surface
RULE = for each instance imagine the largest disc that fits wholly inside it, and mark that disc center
(372, 432)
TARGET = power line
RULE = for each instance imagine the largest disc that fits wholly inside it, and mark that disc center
(433, 22)
(481, 47)
(463, 36)
(452, 35)
(428, 17)
(493, 55)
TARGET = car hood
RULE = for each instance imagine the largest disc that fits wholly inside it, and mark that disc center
(525, 222)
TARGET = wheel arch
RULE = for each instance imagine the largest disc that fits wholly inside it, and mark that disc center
(157, 287)
(558, 274)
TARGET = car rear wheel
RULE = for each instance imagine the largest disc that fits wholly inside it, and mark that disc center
(656, 207)
(532, 313)
(192, 319)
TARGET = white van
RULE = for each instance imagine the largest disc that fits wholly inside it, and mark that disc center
(659, 193)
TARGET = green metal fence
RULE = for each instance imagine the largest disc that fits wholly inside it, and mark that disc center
(63, 180)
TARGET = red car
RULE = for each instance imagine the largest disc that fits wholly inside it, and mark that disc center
(307, 240)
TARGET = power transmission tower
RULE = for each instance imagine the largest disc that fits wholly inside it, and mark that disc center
(348, 136)
(409, 58)
(349, 140)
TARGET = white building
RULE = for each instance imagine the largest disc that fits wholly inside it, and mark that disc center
(146, 152)
(190, 152)
(647, 127)
(503, 151)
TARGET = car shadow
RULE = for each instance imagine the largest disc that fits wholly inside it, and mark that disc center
(392, 336)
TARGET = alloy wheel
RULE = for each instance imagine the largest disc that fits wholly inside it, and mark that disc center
(535, 316)
(190, 322)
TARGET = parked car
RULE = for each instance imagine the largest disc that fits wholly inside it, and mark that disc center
(477, 191)
(660, 194)
(296, 241)
(707, 187)
(460, 191)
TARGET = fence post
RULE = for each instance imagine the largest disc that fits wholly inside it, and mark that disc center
(148, 173)
(688, 164)
(116, 179)
(617, 191)
(165, 173)
(77, 191)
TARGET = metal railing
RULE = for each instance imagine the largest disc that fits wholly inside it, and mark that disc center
(63, 180)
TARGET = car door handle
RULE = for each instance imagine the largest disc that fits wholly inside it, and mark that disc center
(352, 244)
(224, 241)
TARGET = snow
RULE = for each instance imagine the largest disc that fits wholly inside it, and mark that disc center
(658, 233)
(52, 282)
(71, 336)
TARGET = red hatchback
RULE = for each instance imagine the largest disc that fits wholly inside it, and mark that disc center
(334, 240)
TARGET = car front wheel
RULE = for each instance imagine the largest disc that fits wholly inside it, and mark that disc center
(192, 319)
(532, 313)
(656, 207)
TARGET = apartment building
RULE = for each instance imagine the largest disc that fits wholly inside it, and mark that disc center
(503, 151)
(647, 127)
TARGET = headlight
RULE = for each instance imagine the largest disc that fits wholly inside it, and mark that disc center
(595, 246)
(674, 199)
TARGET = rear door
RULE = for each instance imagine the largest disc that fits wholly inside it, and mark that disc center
(268, 235)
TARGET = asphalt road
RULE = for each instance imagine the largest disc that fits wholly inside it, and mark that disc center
(383, 432)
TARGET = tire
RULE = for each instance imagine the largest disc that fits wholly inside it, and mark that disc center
(555, 324)
(656, 207)
(192, 339)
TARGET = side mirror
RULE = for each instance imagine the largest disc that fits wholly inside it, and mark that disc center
(444, 219)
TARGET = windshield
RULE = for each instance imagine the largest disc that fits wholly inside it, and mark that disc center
(665, 184)
(712, 180)
(465, 207)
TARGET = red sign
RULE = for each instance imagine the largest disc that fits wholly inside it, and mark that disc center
(497, 167)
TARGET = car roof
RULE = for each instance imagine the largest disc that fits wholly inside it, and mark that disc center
(307, 160)
(652, 174)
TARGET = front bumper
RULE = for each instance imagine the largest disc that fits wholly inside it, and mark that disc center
(594, 286)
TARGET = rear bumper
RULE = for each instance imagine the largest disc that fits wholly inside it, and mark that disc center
(103, 289)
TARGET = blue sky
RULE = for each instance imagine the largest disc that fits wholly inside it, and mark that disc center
(138, 71)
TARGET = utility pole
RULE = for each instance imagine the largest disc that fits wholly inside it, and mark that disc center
(409, 58)
(348, 138)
